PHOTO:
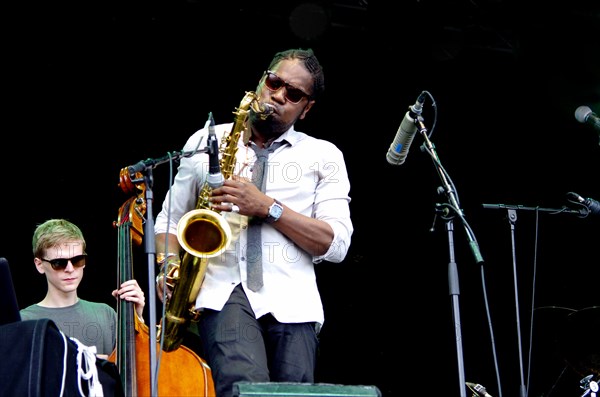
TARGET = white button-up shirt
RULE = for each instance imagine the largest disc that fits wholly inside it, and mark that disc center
(309, 176)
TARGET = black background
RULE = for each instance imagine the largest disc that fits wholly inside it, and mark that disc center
(93, 87)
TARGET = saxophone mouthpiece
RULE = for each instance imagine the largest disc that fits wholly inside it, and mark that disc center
(263, 110)
(267, 109)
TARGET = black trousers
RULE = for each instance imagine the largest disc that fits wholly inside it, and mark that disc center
(239, 347)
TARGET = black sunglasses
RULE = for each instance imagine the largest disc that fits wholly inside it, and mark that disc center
(292, 94)
(61, 263)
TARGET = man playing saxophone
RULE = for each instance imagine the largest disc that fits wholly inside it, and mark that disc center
(261, 324)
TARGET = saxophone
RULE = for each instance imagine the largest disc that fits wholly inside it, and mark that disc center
(203, 233)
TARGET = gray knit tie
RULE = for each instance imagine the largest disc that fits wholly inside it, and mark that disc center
(254, 249)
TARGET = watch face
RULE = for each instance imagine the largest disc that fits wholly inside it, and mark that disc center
(275, 211)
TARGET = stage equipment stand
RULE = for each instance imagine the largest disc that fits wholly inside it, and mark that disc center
(512, 218)
(145, 167)
(448, 212)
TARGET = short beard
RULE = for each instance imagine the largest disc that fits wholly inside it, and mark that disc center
(270, 127)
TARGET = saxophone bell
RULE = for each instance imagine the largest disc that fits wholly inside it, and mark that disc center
(203, 233)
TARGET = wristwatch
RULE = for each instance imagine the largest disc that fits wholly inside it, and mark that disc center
(275, 211)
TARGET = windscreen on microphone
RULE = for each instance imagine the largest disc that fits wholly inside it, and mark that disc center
(582, 113)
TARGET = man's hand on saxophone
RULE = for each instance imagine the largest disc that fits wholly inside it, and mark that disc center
(240, 192)
(169, 264)
(160, 287)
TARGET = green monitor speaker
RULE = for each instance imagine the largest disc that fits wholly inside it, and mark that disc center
(285, 389)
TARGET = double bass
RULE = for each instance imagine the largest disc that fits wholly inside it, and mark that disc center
(181, 372)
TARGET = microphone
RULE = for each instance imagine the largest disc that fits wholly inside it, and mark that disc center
(592, 206)
(398, 150)
(479, 389)
(215, 177)
(584, 115)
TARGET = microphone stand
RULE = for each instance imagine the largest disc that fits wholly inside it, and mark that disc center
(449, 211)
(145, 168)
(512, 218)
